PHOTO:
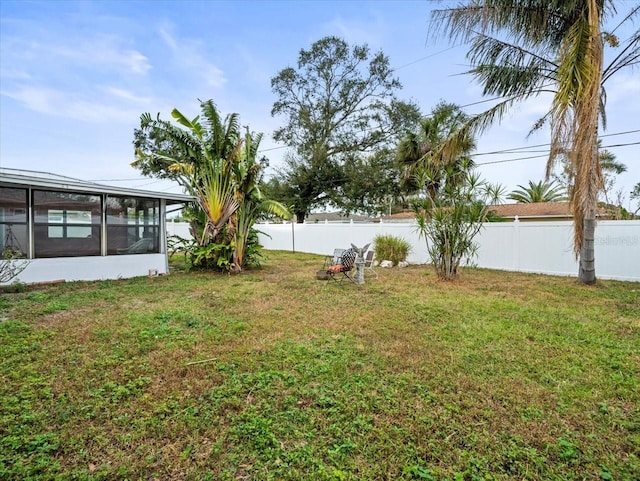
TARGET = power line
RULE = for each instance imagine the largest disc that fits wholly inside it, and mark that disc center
(620, 133)
(512, 160)
(620, 145)
(423, 58)
(543, 156)
(273, 148)
(504, 151)
(148, 183)
(495, 152)
(507, 151)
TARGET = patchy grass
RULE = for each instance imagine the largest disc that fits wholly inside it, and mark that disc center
(275, 375)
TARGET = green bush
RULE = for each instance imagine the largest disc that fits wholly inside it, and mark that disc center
(391, 248)
(450, 220)
(213, 256)
(217, 256)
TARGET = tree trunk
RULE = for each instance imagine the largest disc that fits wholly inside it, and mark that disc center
(587, 269)
(300, 216)
(587, 262)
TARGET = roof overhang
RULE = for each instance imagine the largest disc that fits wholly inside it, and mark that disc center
(26, 178)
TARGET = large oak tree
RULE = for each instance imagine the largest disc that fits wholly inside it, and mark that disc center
(339, 105)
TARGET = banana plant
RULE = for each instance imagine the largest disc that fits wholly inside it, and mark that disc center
(252, 203)
(217, 165)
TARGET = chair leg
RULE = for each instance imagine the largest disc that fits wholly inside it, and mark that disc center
(339, 279)
(346, 274)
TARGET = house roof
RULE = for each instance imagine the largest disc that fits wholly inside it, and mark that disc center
(534, 209)
(28, 178)
(335, 217)
(539, 209)
(560, 210)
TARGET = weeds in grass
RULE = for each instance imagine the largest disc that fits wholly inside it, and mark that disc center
(274, 375)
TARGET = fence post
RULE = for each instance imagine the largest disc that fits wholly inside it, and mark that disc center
(515, 258)
(293, 236)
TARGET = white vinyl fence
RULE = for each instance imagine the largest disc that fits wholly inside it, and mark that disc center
(539, 247)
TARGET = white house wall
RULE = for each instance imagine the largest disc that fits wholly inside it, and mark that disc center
(91, 268)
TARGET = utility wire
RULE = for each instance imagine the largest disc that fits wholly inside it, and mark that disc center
(543, 156)
(148, 183)
(113, 180)
(423, 58)
(515, 149)
(497, 151)
(511, 160)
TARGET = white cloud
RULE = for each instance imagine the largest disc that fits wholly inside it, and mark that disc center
(58, 103)
(188, 54)
(358, 32)
(107, 53)
(135, 61)
(14, 74)
(103, 52)
(127, 95)
(60, 76)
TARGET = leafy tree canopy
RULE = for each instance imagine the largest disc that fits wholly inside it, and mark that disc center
(425, 165)
(339, 106)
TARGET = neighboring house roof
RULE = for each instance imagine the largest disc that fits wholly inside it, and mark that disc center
(535, 209)
(538, 210)
(530, 211)
(397, 217)
(335, 217)
(47, 180)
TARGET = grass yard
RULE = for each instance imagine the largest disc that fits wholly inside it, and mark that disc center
(273, 375)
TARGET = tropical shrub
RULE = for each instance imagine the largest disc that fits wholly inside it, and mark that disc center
(391, 248)
(450, 221)
(213, 255)
(219, 166)
(253, 250)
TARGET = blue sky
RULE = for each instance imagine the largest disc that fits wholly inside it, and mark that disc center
(75, 77)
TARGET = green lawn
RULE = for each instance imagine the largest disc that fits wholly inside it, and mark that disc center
(272, 374)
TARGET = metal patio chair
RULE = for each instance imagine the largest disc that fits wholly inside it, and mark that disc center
(334, 259)
(143, 246)
(340, 270)
(368, 263)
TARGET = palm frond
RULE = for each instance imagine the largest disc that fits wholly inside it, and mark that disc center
(275, 208)
(628, 57)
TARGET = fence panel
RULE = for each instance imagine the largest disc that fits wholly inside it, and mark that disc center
(539, 247)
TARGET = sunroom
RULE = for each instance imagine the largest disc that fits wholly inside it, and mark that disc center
(69, 229)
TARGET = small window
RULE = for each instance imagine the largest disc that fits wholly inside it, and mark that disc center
(73, 224)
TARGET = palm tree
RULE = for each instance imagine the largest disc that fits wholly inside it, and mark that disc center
(548, 46)
(427, 168)
(538, 192)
